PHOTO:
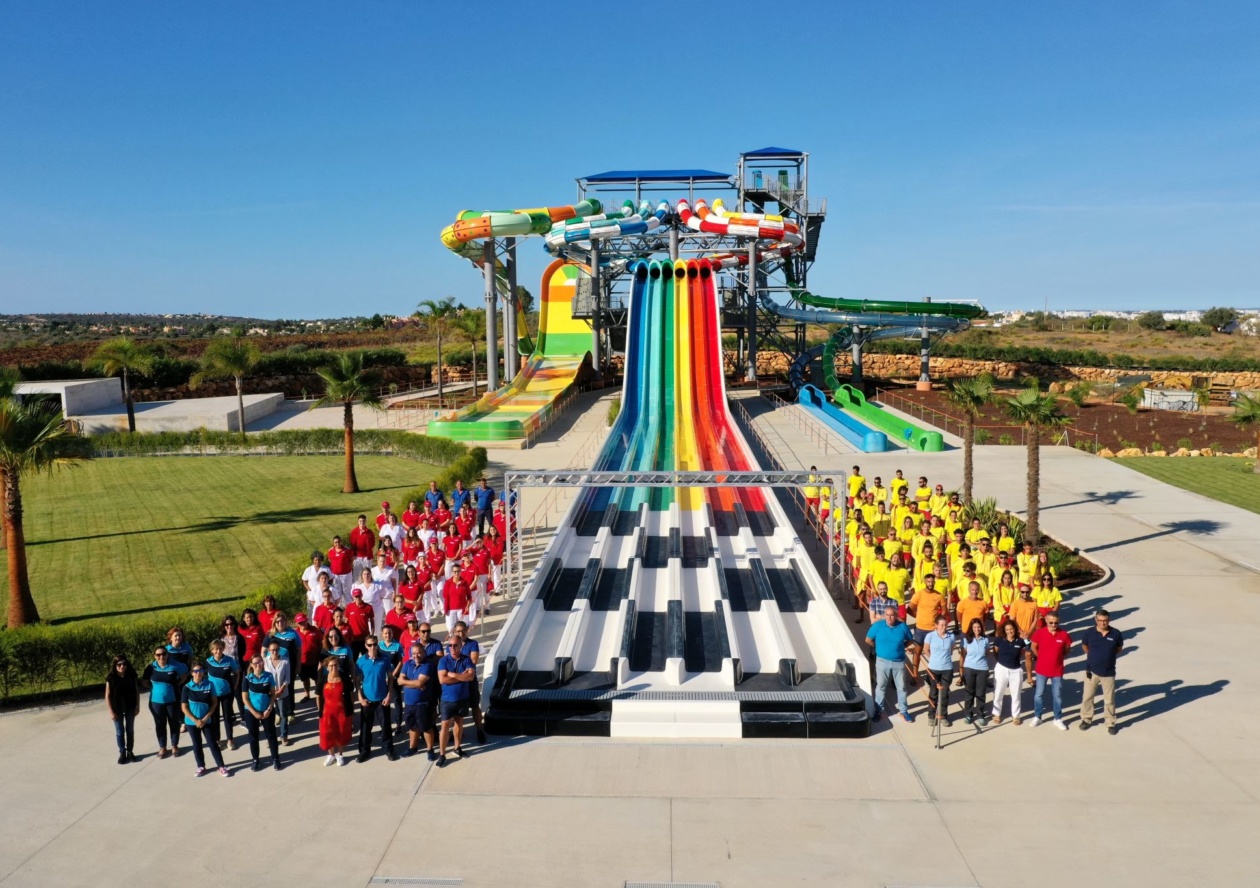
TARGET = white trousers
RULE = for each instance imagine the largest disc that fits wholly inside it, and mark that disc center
(1005, 677)
(453, 617)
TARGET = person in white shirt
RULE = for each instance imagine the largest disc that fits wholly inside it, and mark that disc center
(395, 531)
(310, 579)
(379, 595)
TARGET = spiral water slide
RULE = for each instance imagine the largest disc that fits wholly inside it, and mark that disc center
(676, 611)
(562, 352)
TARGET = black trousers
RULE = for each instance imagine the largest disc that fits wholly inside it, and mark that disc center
(209, 735)
(166, 716)
(368, 716)
(945, 678)
(977, 683)
(225, 716)
(267, 726)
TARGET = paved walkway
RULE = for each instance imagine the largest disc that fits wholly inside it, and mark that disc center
(1172, 800)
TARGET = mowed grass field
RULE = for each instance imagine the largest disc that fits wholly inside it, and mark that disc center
(116, 537)
(1230, 479)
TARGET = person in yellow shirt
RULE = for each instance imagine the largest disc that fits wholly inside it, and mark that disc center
(811, 490)
(1043, 567)
(897, 579)
(898, 485)
(880, 492)
(953, 522)
(984, 558)
(1005, 542)
(866, 504)
(856, 482)
(938, 501)
(922, 494)
(882, 525)
(925, 564)
(1026, 561)
(968, 576)
(1002, 594)
(939, 535)
(954, 550)
(1047, 596)
(1004, 565)
(906, 533)
(863, 558)
(975, 532)
(824, 503)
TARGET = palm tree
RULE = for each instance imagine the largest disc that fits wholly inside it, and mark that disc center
(231, 356)
(9, 378)
(472, 326)
(437, 316)
(345, 382)
(124, 356)
(1035, 411)
(969, 396)
(33, 438)
(1247, 415)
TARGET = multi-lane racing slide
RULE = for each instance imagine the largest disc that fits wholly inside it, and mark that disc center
(562, 353)
(676, 611)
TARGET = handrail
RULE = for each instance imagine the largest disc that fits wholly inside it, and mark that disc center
(819, 435)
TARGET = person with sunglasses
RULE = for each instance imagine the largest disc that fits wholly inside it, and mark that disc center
(375, 680)
(1050, 646)
(233, 641)
(336, 706)
(122, 698)
(456, 673)
(164, 677)
(417, 679)
(199, 705)
(259, 711)
(224, 676)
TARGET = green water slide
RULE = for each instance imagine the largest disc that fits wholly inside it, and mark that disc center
(905, 433)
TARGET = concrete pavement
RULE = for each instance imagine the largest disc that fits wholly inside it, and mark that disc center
(1173, 799)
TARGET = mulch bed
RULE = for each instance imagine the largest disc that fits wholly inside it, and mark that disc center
(1114, 425)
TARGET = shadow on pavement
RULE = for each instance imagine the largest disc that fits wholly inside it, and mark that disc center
(1195, 527)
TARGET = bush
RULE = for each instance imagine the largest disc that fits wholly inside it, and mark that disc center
(983, 350)
(982, 436)
(1152, 320)
(1006, 439)
(614, 408)
(1132, 399)
(440, 451)
(1189, 328)
(1078, 393)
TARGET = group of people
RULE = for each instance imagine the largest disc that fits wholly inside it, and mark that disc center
(368, 645)
(982, 606)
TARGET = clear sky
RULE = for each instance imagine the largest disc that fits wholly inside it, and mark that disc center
(299, 159)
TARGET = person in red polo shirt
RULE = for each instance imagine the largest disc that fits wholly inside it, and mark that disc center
(1050, 646)
(312, 645)
(382, 518)
(452, 546)
(360, 623)
(456, 596)
(341, 563)
(363, 545)
(411, 547)
(324, 612)
(411, 517)
(398, 615)
(442, 515)
(495, 545)
(465, 521)
(435, 560)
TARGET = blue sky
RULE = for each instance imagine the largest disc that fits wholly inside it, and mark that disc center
(299, 160)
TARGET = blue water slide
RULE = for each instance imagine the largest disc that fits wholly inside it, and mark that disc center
(857, 433)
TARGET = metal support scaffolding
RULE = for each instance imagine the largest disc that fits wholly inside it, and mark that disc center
(856, 350)
(514, 481)
(752, 312)
(492, 318)
(511, 356)
(596, 319)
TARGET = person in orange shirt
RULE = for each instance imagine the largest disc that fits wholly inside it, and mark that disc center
(1024, 612)
(973, 607)
(926, 605)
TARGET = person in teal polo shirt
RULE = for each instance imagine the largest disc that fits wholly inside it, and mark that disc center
(199, 705)
(164, 678)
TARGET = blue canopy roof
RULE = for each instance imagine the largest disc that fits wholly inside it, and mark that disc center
(657, 176)
(773, 152)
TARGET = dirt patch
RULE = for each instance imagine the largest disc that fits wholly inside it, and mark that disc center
(1112, 426)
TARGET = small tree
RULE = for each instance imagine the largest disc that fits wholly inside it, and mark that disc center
(230, 357)
(471, 325)
(1034, 411)
(124, 356)
(437, 315)
(1247, 415)
(969, 396)
(1152, 320)
(345, 382)
(34, 437)
(1219, 318)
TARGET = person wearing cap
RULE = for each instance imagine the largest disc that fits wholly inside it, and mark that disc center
(433, 497)
(1024, 612)
(383, 517)
(417, 677)
(312, 645)
(199, 703)
(411, 633)
(362, 544)
(258, 711)
(311, 580)
(483, 499)
(359, 621)
(375, 681)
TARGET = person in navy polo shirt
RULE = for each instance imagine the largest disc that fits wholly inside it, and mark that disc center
(199, 704)
(456, 674)
(483, 499)
(889, 637)
(417, 678)
(1103, 644)
(472, 650)
(375, 684)
(258, 701)
(164, 677)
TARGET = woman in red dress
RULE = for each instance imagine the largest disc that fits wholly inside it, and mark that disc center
(334, 720)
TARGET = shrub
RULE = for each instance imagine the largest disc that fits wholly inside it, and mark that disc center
(982, 436)
(1131, 399)
(614, 408)
(1152, 320)
(1006, 439)
(1078, 393)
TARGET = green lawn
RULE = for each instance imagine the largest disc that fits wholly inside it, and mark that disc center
(1230, 479)
(114, 537)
